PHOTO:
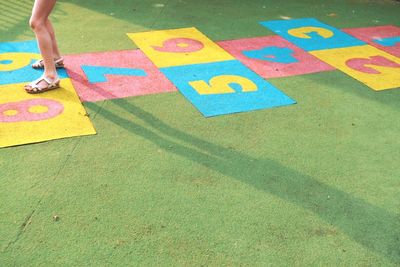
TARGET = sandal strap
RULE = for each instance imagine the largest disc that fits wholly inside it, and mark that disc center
(35, 84)
(39, 63)
(47, 80)
(34, 87)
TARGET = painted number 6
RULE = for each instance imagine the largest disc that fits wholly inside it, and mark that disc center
(30, 110)
(180, 45)
(222, 85)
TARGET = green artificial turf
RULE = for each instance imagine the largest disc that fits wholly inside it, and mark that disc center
(313, 184)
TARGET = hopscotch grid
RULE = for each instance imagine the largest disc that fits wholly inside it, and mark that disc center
(322, 41)
(234, 58)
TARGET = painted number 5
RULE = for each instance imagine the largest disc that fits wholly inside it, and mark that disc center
(222, 85)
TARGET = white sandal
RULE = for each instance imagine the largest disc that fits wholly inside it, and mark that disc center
(33, 87)
(39, 64)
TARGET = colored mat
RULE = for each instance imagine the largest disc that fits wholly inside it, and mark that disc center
(26, 118)
(369, 65)
(15, 62)
(206, 74)
(115, 74)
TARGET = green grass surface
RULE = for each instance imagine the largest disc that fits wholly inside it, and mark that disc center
(313, 184)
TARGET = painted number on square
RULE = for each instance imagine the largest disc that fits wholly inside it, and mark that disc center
(311, 34)
(224, 84)
(225, 87)
(97, 74)
(179, 47)
(30, 110)
(371, 66)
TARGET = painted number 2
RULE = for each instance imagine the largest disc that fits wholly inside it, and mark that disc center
(30, 110)
(360, 64)
(222, 85)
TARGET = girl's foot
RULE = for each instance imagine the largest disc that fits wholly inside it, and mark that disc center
(59, 63)
(42, 84)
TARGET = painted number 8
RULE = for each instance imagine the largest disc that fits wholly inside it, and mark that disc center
(30, 110)
(222, 85)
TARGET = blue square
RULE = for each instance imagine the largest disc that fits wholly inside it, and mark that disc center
(23, 47)
(311, 34)
(234, 88)
(25, 73)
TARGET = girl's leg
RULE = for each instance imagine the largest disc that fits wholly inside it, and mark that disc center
(40, 13)
(56, 52)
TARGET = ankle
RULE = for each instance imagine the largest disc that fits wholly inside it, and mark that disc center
(51, 76)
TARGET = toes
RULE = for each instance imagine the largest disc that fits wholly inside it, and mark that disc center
(29, 90)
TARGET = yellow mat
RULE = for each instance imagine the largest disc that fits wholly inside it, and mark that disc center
(55, 114)
(179, 47)
(371, 66)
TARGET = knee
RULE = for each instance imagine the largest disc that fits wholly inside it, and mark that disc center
(36, 24)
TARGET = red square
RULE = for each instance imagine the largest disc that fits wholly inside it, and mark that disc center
(269, 67)
(116, 86)
(371, 35)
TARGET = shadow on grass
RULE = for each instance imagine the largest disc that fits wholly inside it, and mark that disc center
(369, 225)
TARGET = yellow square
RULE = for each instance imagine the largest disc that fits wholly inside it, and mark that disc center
(55, 114)
(371, 66)
(179, 47)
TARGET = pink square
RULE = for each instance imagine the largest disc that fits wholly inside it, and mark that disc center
(378, 34)
(116, 86)
(292, 60)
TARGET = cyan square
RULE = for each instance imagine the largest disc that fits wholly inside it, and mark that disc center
(310, 34)
(265, 95)
(24, 47)
(16, 59)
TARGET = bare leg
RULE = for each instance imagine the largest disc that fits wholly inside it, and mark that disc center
(56, 51)
(39, 21)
